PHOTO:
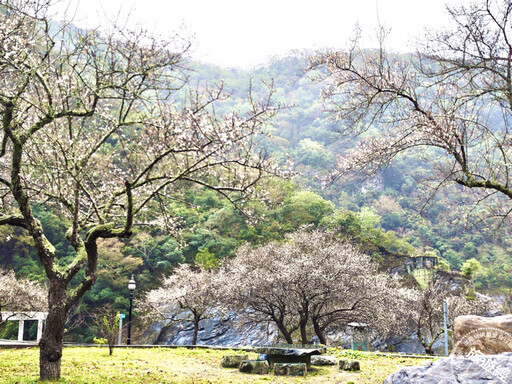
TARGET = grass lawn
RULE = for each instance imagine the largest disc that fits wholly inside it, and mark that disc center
(166, 365)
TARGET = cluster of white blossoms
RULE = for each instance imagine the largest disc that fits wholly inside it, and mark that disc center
(186, 291)
(442, 99)
(312, 281)
(20, 295)
(15, 48)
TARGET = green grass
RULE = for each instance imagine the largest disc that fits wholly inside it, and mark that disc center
(165, 365)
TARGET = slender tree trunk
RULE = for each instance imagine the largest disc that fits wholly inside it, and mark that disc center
(286, 334)
(428, 350)
(51, 341)
(319, 332)
(303, 332)
(197, 319)
(424, 343)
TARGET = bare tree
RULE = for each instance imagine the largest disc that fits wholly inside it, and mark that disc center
(454, 97)
(428, 313)
(107, 321)
(314, 280)
(20, 296)
(186, 291)
(90, 126)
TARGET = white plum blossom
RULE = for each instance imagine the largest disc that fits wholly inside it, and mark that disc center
(313, 281)
(90, 127)
(18, 296)
(450, 103)
(187, 296)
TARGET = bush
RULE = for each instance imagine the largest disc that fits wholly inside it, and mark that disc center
(100, 341)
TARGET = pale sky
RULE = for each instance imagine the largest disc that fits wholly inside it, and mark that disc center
(245, 33)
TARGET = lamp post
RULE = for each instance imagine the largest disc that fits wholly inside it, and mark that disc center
(445, 316)
(131, 288)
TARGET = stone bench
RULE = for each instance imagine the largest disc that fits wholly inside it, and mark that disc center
(290, 369)
(259, 367)
(232, 361)
(349, 365)
(323, 360)
(290, 353)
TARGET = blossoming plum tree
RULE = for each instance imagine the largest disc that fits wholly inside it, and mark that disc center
(454, 96)
(19, 296)
(91, 127)
(427, 313)
(186, 292)
(314, 281)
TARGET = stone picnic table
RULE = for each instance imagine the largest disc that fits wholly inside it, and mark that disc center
(291, 353)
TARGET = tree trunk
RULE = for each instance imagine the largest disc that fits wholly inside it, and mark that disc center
(428, 350)
(197, 319)
(282, 328)
(51, 342)
(424, 343)
(303, 333)
(319, 332)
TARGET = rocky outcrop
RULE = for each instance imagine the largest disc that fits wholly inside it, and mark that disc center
(225, 331)
(487, 335)
(453, 281)
(496, 369)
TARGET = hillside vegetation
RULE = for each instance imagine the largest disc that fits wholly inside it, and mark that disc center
(387, 214)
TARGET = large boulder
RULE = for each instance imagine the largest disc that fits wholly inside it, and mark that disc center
(485, 335)
(222, 330)
(489, 369)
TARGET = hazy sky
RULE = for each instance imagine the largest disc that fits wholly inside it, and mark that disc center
(245, 33)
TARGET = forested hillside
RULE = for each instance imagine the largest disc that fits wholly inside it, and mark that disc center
(399, 201)
(388, 213)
